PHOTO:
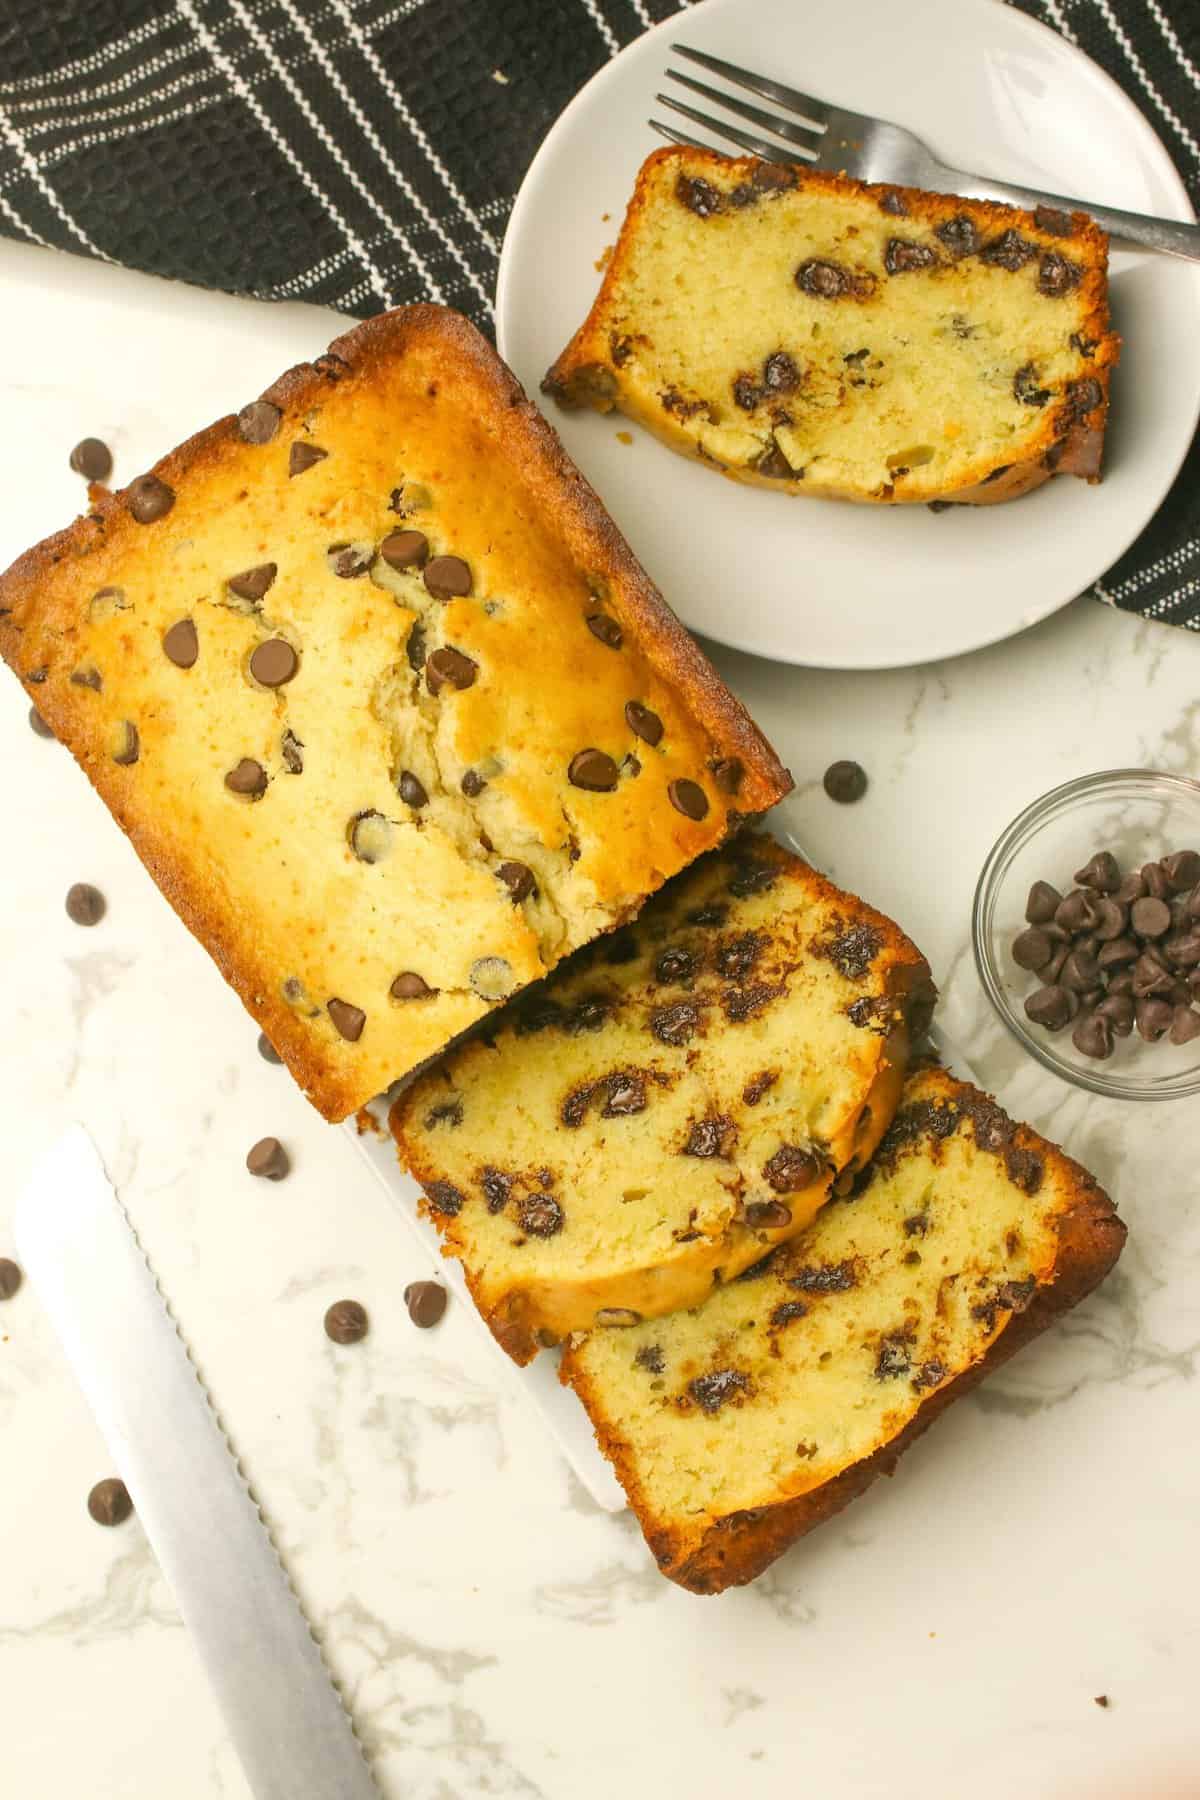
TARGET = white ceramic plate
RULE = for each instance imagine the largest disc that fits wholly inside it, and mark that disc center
(817, 581)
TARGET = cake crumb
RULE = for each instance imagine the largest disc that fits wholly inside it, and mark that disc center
(624, 437)
(1103, 1700)
(500, 76)
(602, 261)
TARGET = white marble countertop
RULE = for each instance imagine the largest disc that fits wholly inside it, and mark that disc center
(496, 1633)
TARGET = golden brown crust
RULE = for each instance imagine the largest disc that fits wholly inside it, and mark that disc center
(40, 630)
(1072, 436)
(738, 1547)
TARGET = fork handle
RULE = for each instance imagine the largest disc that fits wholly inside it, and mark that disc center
(1171, 236)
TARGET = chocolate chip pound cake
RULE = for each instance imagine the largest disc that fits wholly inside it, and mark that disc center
(382, 698)
(803, 331)
(736, 1428)
(670, 1105)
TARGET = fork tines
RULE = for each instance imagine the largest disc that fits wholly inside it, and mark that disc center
(800, 141)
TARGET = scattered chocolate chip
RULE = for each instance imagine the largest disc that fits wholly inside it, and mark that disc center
(518, 878)
(268, 1158)
(10, 1277)
(1185, 1024)
(87, 676)
(1115, 952)
(149, 499)
(1118, 1012)
(346, 1322)
(1042, 904)
(273, 663)
(267, 1050)
(108, 1502)
(643, 723)
(348, 1021)
(247, 777)
(92, 459)
(845, 782)
(593, 770)
(774, 464)
(689, 798)
(252, 584)
(1080, 971)
(1150, 917)
(823, 280)
(38, 725)
(1077, 912)
(448, 578)
(426, 1303)
(304, 456)
(127, 745)
(1050, 1006)
(1102, 873)
(405, 550)
(1153, 1017)
(448, 667)
(1092, 1036)
(1011, 251)
(1182, 870)
(85, 904)
(902, 256)
(894, 1358)
(959, 235)
(1025, 387)
(1032, 949)
(1111, 920)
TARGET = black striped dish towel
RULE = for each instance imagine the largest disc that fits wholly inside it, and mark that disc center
(361, 153)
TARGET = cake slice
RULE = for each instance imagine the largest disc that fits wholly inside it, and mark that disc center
(803, 331)
(382, 698)
(736, 1428)
(667, 1107)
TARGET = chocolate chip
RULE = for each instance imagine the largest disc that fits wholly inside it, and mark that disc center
(1057, 275)
(1131, 887)
(181, 644)
(518, 879)
(540, 1215)
(1182, 870)
(292, 751)
(85, 904)
(1011, 251)
(87, 676)
(10, 1277)
(1042, 904)
(267, 1050)
(127, 746)
(1077, 912)
(472, 783)
(1154, 1017)
(767, 1215)
(1150, 917)
(823, 280)
(38, 725)
(593, 770)
(1183, 949)
(688, 798)
(258, 422)
(1083, 396)
(304, 456)
(845, 782)
(1185, 1025)
(1025, 386)
(273, 663)
(774, 464)
(247, 777)
(959, 236)
(348, 1021)
(1092, 1036)
(411, 986)
(1154, 880)
(412, 791)
(92, 459)
(349, 561)
(902, 256)
(643, 723)
(625, 1095)
(894, 203)
(426, 1303)
(109, 1502)
(491, 978)
(448, 667)
(448, 578)
(675, 1024)
(605, 627)
(346, 1322)
(252, 584)
(1118, 1011)
(698, 195)
(1051, 971)
(268, 1159)
(792, 1168)
(149, 499)
(1032, 949)
(1050, 1006)
(780, 374)
(620, 1316)
(746, 392)
(1112, 918)
(1102, 873)
(707, 1138)
(1114, 952)
(727, 774)
(405, 550)
(1049, 218)
(1080, 971)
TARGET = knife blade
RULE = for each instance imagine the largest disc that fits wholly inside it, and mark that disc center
(286, 1719)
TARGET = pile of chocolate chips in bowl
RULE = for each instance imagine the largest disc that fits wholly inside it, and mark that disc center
(1118, 952)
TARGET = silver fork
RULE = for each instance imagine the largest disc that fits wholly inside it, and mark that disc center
(832, 137)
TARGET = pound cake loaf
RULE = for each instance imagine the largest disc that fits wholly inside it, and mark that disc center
(669, 1105)
(803, 331)
(381, 697)
(736, 1428)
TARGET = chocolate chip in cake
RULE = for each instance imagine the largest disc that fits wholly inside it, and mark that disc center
(268, 1159)
(593, 770)
(1010, 251)
(698, 195)
(1026, 389)
(426, 1303)
(448, 667)
(180, 643)
(292, 751)
(349, 562)
(688, 798)
(625, 1094)
(1057, 275)
(1083, 396)
(766, 1215)
(411, 790)
(126, 744)
(247, 778)
(108, 1503)
(711, 1392)
(267, 1050)
(676, 1024)
(774, 464)
(149, 499)
(304, 456)
(38, 725)
(894, 203)
(727, 774)
(448, 578)
(348, 1021)
(793, 1168)
(780, 374)
(1032, 949)
(411, 986)
(540, 1215)
(845, 782)
(415, 647)
(491, 978)
(643, 723)
(444, 1198)
(472, 783)
(604, 626)
(273, 663)
(258, 422)
(518, 878)
(651, 1358)
(708, 1137)
(85, 904)
(92, 459)
(251, 584)
(903, 256)
(894, 1357)
(823, 280)
(1150, 917)
(746, 392)
(758, 1085)
(10, 1277)
(959, 236)
(497, 1188)
(346, 1322)
(87, 675)
(405, 550)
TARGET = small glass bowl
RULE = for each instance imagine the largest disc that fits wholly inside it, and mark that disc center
(1140, 816)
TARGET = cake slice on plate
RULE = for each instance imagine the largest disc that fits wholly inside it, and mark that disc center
(807, 332)
(669, 1105)
(737, 1427)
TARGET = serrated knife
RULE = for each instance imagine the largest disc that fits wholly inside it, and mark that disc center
(285, 1718)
